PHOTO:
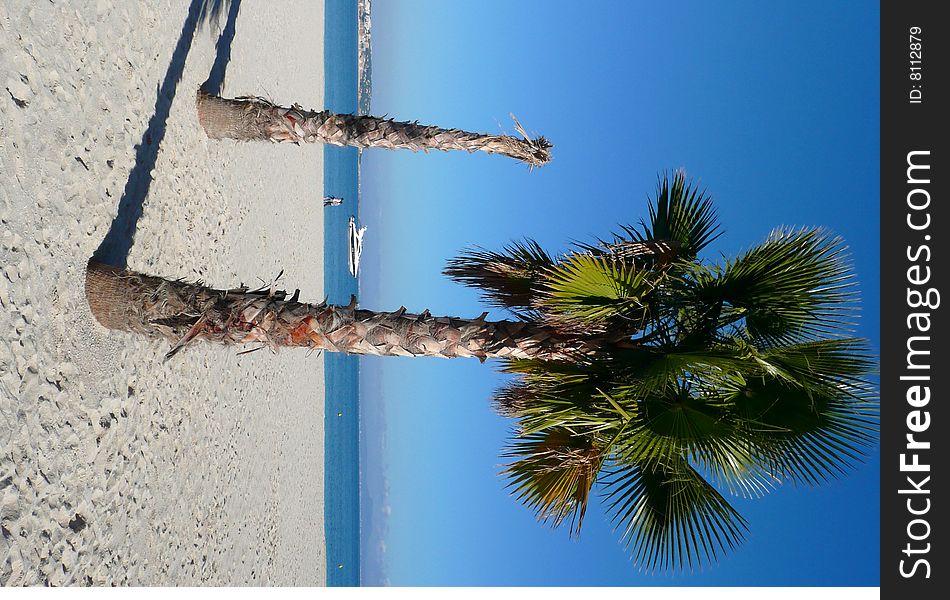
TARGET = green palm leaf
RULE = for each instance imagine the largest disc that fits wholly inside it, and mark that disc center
(590, 291)
(668, 516)
(651, 370)
(682, 215)
(810, 422)
(796, 285)
(803, 436)
(562, 395)
(821, 365)
(708, 433)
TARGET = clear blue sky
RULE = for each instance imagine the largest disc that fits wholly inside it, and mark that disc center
(773, 107)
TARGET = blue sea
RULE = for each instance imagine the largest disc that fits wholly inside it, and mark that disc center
(341, 179)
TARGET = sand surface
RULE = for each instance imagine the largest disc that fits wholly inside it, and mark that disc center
(117, 468)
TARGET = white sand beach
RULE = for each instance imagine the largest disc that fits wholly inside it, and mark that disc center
(115, 467)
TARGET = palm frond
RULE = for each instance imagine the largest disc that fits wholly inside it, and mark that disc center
(509, 279)
(668, 516)
(821, 365)
(804, 412)
(682, 215)
(590, 291)
(514, 400)
(804, 436)
(796, 285)
(644, 254)
(675, 421)
(649, 370)
(553, 473)
(550, 394)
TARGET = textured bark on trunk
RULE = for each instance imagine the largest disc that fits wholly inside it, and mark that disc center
(182, 312)
(255, 119)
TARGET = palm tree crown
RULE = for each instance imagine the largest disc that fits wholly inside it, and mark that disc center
(691, 379)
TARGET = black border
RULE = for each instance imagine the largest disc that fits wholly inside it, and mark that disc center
(907, 127)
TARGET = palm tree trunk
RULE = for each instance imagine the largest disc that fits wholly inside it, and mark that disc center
(182, 312)
(255, 119)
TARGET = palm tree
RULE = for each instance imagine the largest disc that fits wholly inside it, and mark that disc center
(256, 119)
(667, 380)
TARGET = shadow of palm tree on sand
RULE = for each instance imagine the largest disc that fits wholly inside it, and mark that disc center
(115, 247)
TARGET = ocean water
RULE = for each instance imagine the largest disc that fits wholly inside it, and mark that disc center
(341, 425)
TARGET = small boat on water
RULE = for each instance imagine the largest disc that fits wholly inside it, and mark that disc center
(356, 246)
(332, 201)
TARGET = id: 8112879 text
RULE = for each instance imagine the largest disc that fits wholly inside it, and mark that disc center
(916, 46)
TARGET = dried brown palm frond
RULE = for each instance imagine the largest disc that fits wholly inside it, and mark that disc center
(553, 473)
(652, 253)
(509, 279)
(514, 399)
